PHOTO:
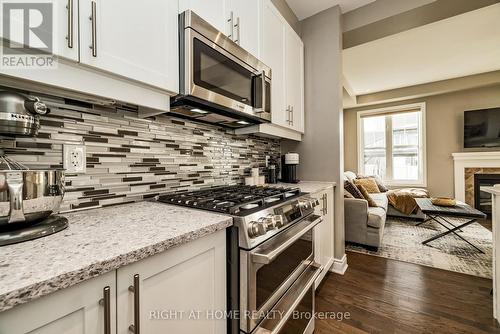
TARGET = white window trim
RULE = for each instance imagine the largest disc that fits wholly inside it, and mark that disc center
(422, 144)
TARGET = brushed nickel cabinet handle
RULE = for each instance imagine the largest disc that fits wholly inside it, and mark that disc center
(136, 327)
(106, 303)
(93, 18)
(230, 20)
(69, 37)
(291, 115)
(237, 25)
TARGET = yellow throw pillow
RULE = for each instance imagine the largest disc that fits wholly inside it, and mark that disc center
(370, 184)
(367, 196)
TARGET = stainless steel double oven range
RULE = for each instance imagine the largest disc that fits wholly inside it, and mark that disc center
(271, 269)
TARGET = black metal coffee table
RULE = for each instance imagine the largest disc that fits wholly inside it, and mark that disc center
(438, 213)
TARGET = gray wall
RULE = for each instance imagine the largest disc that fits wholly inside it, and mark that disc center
(321, 151)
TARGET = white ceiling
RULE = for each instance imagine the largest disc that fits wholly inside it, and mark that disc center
(459, 46)
(305, 8)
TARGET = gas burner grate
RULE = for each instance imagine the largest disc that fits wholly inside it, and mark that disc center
(235, 200)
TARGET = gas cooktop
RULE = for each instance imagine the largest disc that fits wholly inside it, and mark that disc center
(237, 200)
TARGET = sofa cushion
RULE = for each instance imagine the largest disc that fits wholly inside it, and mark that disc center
(381, 200)
(351, 187)
(367, 196)
(380, 184)
(376, 217)
(369, 183)
(350, 176)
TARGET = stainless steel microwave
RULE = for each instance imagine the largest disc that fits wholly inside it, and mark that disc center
(220, 82)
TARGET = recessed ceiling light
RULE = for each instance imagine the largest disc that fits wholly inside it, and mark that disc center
(199, 111)
(242, 122)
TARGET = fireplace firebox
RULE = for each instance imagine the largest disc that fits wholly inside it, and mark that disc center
(482, 200)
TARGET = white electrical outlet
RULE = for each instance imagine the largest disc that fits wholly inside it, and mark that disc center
(74, 158)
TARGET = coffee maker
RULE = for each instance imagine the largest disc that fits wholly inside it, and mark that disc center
(289, 163)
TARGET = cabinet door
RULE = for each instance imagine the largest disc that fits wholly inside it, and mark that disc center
(246, 23)
(75, 310)
(65, 34)
(211, 11)
(294, 74)
(273, 55)
(178, 289)
(134, 39)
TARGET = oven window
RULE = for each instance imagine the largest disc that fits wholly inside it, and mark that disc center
(298, 321)
(216, 72)
(272, 275)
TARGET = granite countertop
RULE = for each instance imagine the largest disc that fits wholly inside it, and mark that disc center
(310, 186)
(98, 241)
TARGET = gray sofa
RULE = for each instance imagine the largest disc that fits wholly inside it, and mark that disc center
(364, 225)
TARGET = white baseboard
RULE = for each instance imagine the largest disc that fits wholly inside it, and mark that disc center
(339, 265)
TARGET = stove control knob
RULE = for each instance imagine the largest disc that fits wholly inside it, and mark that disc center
(279, 221)
(269, 222)
(256, 229)
(305, 204)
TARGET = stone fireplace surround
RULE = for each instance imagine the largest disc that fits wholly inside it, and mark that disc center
(466, 164)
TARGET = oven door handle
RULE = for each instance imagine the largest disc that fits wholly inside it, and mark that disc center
(268, 255)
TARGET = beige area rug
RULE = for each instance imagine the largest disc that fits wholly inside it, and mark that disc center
(403, 241)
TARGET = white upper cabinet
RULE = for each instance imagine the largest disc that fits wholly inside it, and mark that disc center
(273, 55)
(212, 11)
(237, 19)
(134, 39)
(294, 69)
(243, 18)
(283, 50)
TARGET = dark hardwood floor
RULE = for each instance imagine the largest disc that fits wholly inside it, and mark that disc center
(388, 296)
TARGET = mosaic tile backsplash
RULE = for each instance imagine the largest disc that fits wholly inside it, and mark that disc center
(130, 159)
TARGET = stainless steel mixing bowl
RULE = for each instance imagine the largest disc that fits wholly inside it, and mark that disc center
(28, 196)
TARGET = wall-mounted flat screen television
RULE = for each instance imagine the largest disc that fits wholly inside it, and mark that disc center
(482, 128)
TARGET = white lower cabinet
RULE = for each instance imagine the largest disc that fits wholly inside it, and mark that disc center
(76, 310)
(324, 232)
(181, 291)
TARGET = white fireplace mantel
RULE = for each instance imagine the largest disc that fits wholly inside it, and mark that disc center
(464, 160)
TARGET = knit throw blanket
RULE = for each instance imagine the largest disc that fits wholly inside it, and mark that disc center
(403, 199)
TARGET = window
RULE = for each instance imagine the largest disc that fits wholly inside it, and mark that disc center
(391, 144)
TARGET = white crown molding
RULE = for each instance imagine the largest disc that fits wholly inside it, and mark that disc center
(476, 155)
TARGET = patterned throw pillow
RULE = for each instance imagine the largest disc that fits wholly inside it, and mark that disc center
(369, 184)
(381, 186)
(366, 196)
(347, 194)
(352, 189)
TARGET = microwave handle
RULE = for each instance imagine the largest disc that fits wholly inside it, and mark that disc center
(263, 78)
(268, 257)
